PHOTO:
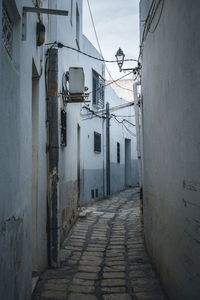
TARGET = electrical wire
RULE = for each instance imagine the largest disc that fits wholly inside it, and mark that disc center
(158, 18)
(93, 112)
(113, 108)
(121, 122)
(120, 116)
(124, 120)
(129, 131)
(90, 11)
(127, 89)
(60, 45)
(148, 21)
(110, 82)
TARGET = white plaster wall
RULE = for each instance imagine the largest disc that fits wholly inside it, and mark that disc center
(16, 159)
(171, 107)
(92, 163)
(118, 133)
(66, 34)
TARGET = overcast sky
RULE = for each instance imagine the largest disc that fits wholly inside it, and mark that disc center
(117, 25)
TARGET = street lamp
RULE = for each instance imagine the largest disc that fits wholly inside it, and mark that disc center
(120, 58)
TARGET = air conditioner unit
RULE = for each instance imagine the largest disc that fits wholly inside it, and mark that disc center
(76, 81)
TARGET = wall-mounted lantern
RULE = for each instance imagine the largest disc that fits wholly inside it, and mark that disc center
(40, 33)
(120, 61)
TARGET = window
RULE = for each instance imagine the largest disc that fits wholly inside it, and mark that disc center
(7, 31)
(63, 128)
(97, 142)
(77, 25)
(98, 90)
(118, 152)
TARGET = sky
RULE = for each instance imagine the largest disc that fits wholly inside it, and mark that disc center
(117, 25)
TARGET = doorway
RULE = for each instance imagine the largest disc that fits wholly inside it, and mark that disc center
(127, 162)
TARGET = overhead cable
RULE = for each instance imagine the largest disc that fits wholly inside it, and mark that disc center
(113, 108)
(111, 82)
(148, 21)
(60, 45)
(93, 24)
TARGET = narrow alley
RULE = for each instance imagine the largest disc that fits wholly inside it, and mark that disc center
(104, 256)
(100, 150)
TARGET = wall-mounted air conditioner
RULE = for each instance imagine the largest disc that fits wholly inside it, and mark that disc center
(76, 81)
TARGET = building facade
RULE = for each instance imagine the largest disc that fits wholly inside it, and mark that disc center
(171, 163)
(52, 160)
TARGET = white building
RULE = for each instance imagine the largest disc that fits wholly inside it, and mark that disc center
(45, 178)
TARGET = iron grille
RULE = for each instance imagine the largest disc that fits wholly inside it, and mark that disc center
(7, 31)
(98, 90)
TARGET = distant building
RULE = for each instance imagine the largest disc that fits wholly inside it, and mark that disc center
(124, 88)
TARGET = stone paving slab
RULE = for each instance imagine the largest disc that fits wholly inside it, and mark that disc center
(104, 256)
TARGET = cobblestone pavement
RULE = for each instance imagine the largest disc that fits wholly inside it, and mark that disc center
(104, 256)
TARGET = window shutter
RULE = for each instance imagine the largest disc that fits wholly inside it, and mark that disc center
(94, 89)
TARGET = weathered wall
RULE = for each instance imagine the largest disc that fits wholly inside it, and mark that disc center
(15, 214)
(68, 156)
(170, 89)
(16, 159)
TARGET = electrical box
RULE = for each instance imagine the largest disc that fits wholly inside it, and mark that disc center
(76, 81)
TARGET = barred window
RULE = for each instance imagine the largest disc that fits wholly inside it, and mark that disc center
(98, 90)
(7, 31)
(97, 142)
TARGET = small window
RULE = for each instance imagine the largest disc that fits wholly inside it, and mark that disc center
(97, 142)
(7, 31)
(92, 194)
(63, 128)
(118, 152)
(98, 90)
(97, 193)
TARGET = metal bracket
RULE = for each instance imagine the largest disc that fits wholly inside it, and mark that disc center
(38, 10)
(79, 98)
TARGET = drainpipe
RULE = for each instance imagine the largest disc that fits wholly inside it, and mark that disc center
(53, 160)
(138, 133)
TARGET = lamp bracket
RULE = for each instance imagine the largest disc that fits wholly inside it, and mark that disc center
(38, 10)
